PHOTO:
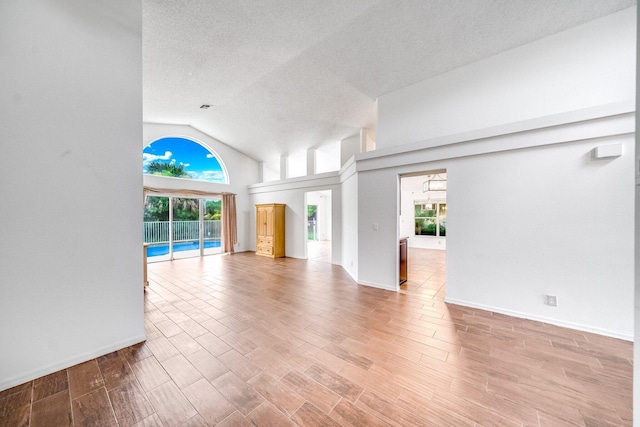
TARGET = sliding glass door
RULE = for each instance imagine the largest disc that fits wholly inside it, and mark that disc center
(186, 227)
(181, 227)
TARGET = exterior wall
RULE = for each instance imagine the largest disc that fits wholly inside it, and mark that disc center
(71, 252)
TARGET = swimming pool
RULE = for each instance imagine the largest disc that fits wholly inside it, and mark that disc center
(163, 249)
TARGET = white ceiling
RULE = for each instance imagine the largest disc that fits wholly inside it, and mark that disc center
(286, 75)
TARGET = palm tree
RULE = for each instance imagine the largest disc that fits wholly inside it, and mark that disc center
(167, 169)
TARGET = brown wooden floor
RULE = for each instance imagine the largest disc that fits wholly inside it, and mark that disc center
(245, 340)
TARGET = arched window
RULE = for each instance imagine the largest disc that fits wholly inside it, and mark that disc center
(180, 157)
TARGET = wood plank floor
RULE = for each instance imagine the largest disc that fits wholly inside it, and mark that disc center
(243, 340)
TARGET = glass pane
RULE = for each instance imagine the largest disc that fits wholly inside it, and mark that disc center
(312, 222)
(156, 228)
(425, 219)
(212, 223)
(182, 158)
(186, 227)
(425, 226)
(443, 219)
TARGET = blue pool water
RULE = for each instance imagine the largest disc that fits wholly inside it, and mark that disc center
(158, 250)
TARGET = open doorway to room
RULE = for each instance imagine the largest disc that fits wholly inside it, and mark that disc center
(318, 225)
(423, 221)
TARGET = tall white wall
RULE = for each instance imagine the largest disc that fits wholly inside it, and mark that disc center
(71, 184)
(242, 171)
(545, 221)
(529, 212)
(587, 66)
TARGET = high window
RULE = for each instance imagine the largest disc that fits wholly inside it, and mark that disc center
(179, 157)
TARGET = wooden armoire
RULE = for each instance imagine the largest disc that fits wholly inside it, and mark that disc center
(270, 230)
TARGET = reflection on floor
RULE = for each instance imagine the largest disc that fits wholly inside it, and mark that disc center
(426, 273)
(244, 340)
(319, 250)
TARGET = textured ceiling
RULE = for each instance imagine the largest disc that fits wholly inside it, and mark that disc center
(286, 75)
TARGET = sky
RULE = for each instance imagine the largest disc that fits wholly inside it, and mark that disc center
(199, 162)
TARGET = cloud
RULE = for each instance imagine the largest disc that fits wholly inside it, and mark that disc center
(209, 156)
(211, 176)
(148, 157)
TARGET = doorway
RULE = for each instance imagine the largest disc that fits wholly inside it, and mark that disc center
(423, 219)
(181, 227)
(318, 225)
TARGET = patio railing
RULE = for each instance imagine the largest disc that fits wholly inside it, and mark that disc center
(183, 231)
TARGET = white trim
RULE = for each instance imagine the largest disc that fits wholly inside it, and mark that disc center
(379, 286)
(478, 143)
(623, 335)
(537, 124)
(320, 180)
(67, 363)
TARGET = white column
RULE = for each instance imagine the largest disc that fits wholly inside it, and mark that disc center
(260, 171)
(284, 166)
(311, 161)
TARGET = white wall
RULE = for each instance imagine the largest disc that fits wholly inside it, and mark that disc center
(545, 221)
(636, 346)
(587, 66)
(242, 171)
(350, 220)
(349, 147)
(292, 193)
(328, 157)
(529, 212)
(297, 164)
(71, 184)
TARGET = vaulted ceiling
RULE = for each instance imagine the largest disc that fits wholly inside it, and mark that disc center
(285, 75)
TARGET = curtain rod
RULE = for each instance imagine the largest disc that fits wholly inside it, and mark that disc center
(183, 192)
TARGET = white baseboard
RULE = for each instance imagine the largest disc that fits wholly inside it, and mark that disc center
(378, 285)
(623, 335)
(24, 377)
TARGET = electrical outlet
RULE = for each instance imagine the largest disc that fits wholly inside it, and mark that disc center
(551, 300)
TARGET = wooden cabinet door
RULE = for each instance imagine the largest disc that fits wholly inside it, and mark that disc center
(270, 219)
(261, 223)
